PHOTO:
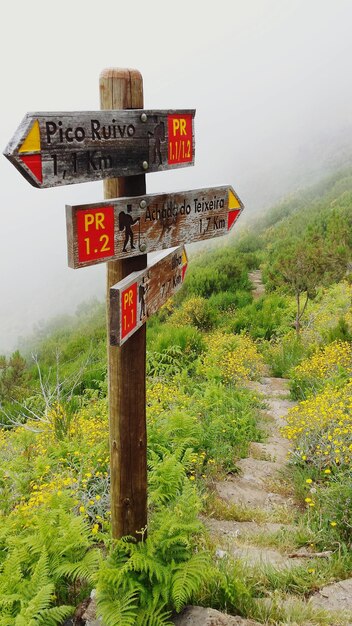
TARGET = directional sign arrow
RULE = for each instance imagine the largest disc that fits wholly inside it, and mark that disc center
(51, 149)
(142, 293)
(125, 227)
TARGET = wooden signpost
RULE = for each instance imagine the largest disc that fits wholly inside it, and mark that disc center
(119, 144)
(142, 293)
(51, 149)
(130, 226)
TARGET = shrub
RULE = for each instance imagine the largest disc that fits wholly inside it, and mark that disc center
(189, 339)
(334, 509)
(321, 429)
(329, 317)
(283, 354)
(229, 300)
(219, 270)
(340, 332)
(231, 358)
(196, 311)
(208, 424)
(228, 419)
(331, 364)
(268, 317)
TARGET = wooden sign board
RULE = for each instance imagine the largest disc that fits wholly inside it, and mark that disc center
(51, 149)
(142, 293)
(125, 227)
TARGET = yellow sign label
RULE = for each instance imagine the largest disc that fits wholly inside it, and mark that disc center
(32, 141)
(233, 202)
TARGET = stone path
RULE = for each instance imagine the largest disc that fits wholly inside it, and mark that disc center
(256, 279)
(259, 489)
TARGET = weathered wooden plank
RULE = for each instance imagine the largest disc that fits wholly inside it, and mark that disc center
(138, 296)
(61, 148)
(127, 227)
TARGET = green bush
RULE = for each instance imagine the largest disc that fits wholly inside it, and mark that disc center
(268, 317)
(196, 311)
(284, 354)
(170, 362)
(219, 270)
(331, 365)
(228, 419)
(340, 332)
(189, 339)
(230, 300)
(334, 509)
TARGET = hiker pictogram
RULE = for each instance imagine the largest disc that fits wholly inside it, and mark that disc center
(142, 290)
(126, 222)
(158, 136)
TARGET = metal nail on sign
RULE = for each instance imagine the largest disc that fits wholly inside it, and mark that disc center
(142, 293)
(126, 227)
(51, 149)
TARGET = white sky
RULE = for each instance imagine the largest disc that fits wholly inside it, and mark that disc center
(270, 79)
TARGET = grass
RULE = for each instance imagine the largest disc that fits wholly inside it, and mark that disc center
(286, 540)
(215, 507)
(274, 598)
(283, 610)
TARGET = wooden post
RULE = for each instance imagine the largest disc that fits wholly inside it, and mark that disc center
(123, 89)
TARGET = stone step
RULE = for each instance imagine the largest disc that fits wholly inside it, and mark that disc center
(229, 529)
(275, 450)
(257, 471)
(244, 493)
(334, 597)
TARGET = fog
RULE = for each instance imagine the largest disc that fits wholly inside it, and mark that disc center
(270, 80)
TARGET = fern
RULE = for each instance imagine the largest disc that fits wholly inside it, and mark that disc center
(7, 621)
(38, 603)
(84, 568)
(145, 563)
(53, 616)
(27, 583)
(164, 571)
(121, 610)
(154, 616)
(187, 579)
(38, 580)
(166, 477)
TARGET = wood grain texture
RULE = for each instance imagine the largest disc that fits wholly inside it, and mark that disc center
(126, 365)
(141, 294)
(84, 146)
(148, 223)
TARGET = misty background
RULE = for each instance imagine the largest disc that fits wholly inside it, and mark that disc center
(270, 80)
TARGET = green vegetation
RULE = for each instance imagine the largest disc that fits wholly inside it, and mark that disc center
(204, 347)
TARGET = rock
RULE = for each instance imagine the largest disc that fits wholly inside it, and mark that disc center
(198, 616)
(90, 614)
(335, 597)
(220, 554)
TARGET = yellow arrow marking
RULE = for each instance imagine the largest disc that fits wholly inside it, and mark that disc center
(184, 258)
(233, 202)
(32, 141)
